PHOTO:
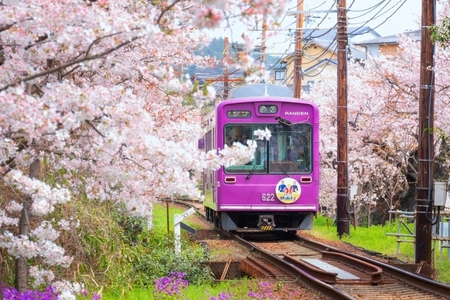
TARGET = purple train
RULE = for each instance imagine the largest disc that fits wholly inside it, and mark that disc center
(279, 189)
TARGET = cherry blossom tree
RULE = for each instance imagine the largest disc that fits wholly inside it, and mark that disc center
(383, 105)
(440, 32)
(95, 90)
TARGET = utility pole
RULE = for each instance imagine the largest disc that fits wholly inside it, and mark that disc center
(263, 40)
(226, 86)
(298, 52)
(425, 194)
(342, 164)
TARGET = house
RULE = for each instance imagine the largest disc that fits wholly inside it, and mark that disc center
(386, 45)
(319, 55)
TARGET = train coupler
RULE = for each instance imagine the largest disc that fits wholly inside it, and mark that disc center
(266, 223)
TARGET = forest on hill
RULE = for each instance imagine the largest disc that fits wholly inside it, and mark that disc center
(216, 49)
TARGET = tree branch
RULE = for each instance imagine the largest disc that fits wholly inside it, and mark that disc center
(6, 27)
(71, 63)
(93, 127)
(166, 10)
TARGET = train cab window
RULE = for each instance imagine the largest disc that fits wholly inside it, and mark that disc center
(287, 151)
(290, 148)
(241, 134)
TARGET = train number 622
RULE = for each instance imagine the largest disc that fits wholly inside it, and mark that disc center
(268, 197)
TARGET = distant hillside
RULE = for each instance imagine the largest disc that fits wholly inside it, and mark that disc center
(216, 49)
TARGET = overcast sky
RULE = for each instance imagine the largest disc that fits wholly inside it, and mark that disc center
(386, 17)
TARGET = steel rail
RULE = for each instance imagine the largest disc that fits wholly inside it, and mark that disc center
(325, 289)
(413, 279)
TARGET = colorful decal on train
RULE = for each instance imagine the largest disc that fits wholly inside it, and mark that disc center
(288, 190)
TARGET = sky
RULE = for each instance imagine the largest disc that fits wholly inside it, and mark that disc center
(386, 17)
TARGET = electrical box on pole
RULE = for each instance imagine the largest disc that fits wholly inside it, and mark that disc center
(440, 193)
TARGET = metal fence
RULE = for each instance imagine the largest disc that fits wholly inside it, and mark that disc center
(440, 232)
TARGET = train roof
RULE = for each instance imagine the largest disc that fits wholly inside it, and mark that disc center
(260, 90)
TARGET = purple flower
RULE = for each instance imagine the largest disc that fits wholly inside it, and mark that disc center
(224, 296)
(265, 292)
(172, 284)
(11, 293)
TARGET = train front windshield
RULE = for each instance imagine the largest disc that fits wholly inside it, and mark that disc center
(287, 151)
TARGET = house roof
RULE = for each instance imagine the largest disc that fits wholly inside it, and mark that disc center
(327, 39)
(320, 64)
(392, 39)
(330, 34)
(357, 54)
(260, 90)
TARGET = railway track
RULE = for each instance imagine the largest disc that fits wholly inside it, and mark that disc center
(330, 271)
(346, 275)
(392, 273)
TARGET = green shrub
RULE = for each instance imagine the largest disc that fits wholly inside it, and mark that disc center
(152, 263)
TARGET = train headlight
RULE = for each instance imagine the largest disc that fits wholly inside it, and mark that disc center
(273, 109)
(267, 109)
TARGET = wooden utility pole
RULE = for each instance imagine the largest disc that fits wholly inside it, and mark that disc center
(263, 40)
(424, 195)
(342, 164)
(226, 86)
(298, 52)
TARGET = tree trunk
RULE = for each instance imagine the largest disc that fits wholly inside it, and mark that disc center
(356, 213)
(24, 229)
(408, 198)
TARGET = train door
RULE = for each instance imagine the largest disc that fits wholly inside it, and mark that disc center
(209, 180)
(215, 179)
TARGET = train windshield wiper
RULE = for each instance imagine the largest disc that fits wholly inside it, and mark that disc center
(285, 172)
(262, 155)
(281, 167)
(251, 171)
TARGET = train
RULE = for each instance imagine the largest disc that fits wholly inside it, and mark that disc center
(278, 190)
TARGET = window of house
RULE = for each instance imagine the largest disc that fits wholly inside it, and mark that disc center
(280, 75)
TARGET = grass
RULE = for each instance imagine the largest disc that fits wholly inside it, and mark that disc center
(373, 238)
(163, 220)
(376, 239)
(232, 289)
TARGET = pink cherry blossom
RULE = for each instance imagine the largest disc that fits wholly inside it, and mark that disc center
(97, 90)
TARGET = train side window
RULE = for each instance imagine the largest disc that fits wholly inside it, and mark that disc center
(201, 144)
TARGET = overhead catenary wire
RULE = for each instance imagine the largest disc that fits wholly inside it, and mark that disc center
(386, 10)
(382, 11)
(379, 14)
